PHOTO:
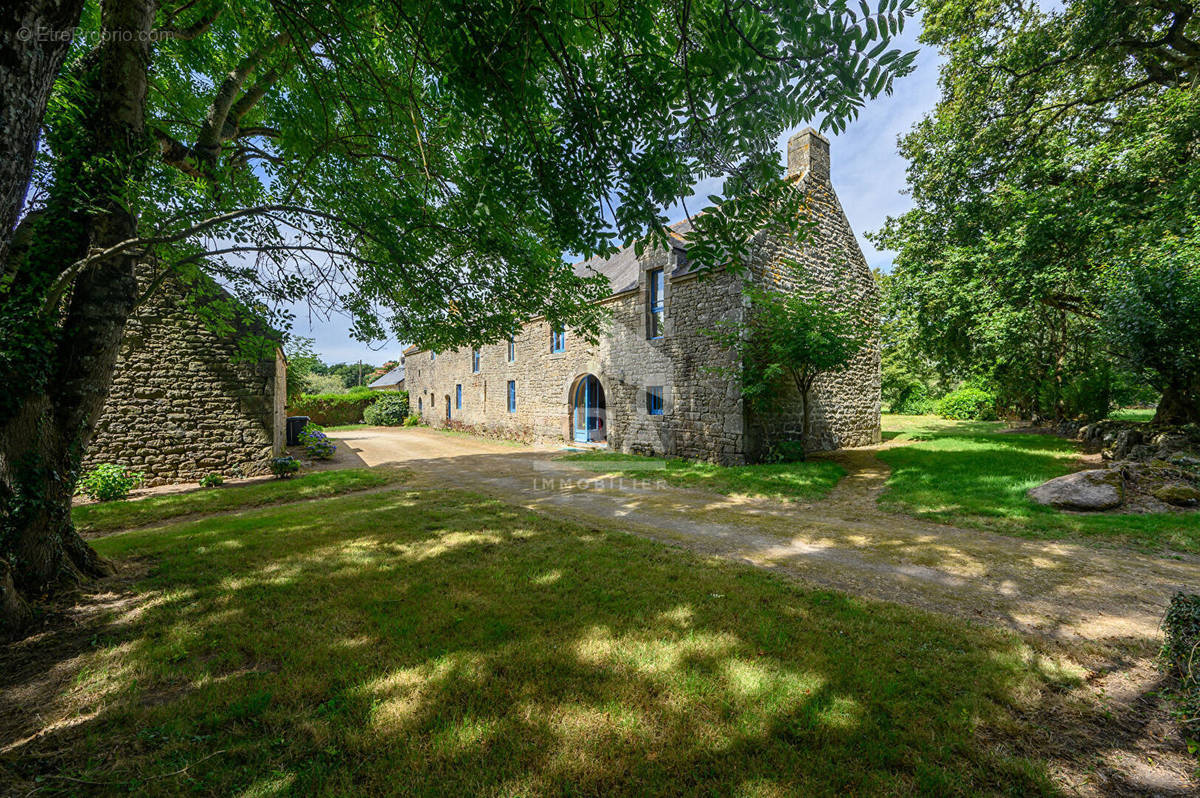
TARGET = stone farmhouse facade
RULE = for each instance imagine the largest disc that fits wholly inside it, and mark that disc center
(653, 383)
(187, 401)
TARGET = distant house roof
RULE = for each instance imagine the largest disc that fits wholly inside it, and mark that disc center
(621, 268)
(393, 377)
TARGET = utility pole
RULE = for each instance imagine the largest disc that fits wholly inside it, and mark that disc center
(360, 373)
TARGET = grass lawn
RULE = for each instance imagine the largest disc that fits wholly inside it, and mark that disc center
(1133, 414)
(808, 480)
(442, 643)
(109, 516)
(970, 474)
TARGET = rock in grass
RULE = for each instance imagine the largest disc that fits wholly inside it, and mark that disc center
(1179, 495)
(1098, 489)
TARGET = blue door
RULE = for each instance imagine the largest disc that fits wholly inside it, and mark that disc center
(587, 416)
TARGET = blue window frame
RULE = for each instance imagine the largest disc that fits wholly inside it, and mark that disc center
(654, 400)
(512, 349)
(558, 341)
(432, 356)
(656, 284)
(475, 361)
(512, 396)
(458, 397)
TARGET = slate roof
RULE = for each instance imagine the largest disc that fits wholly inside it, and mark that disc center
(621, 268)
(393, 377)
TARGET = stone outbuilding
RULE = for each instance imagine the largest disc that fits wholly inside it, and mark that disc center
(188, 400)
(654, 382)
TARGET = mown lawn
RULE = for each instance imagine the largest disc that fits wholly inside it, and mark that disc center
(109, 516)
(442, 643)
(808, 480)
(970, 474)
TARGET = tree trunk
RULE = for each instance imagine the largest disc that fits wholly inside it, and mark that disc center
(804, 421)
(1178, 405)
(42, 442)
(34, 38)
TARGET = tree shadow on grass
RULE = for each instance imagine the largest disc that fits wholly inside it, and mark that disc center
(444, 643)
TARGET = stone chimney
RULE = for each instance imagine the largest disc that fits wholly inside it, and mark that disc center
(808, 151)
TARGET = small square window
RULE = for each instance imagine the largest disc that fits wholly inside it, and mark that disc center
(458, 397)
(475, 361)
(512, 396)
(558, 341)
(654, 400)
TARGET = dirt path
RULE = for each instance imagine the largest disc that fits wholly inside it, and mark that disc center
(1089, 608)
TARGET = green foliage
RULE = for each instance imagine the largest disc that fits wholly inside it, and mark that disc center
(389, 410)
(316, 443)
(1053, 156)
(211, 481)
(108, 482)
(284, 467)
(1152, 316)
(967, 404)
(1181, 654)
(333, 409)
(412, 421)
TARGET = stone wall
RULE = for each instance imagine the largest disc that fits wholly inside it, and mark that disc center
(845, 405)
(704, 415)
(184, 402)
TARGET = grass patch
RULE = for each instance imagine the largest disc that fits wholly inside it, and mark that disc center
(442, 643)
(811, 479)
(346, 427)
(1133, 414)
(969, 476)
(110, 516)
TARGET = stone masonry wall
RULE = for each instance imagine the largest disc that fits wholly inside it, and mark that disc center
(845, 405)
(704, 415)
(182, 405)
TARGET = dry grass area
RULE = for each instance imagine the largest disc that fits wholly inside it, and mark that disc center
(439, 642)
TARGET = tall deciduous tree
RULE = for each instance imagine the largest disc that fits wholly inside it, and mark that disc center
(421, 165)
(1064, 143)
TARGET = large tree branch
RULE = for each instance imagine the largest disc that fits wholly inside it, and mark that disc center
(212, 132)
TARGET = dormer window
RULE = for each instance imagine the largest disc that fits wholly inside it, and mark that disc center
(655, 285)
(558, 341)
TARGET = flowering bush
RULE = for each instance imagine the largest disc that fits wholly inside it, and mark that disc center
(108, 482)
(316, 443)
(284, 467)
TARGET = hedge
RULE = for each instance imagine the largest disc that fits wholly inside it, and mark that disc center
(332, 409)
(389, 411)
(967, 404)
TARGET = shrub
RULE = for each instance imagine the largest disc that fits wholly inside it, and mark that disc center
(389, 410)
(412, 421)
(108, 482)
(333, 409)
(1181, 654)
(968, 404)
(316, 443)
(211, 480)
(284, 467)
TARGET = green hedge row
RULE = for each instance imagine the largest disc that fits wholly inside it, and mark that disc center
(333, 409)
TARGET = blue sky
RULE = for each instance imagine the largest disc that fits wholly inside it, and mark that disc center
(868, 175)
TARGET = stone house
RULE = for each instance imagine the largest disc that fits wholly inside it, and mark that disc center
(188, 400)
(391, 381)
(648, 386)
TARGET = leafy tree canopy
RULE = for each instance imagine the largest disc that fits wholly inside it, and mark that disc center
(1065, 142)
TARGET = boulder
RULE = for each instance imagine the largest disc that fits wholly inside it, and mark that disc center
(1097, 489)
(1179, 494)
